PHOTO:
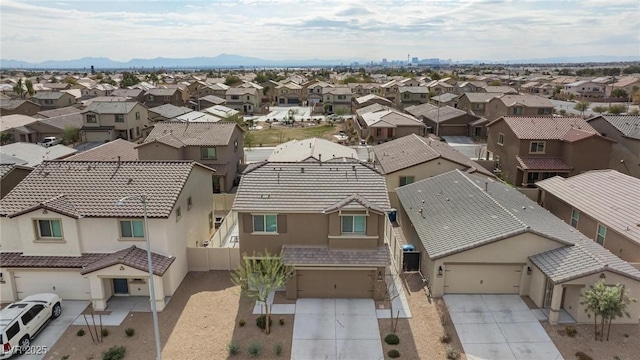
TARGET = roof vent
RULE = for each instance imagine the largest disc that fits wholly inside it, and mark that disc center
(129, 181)
(302, 170)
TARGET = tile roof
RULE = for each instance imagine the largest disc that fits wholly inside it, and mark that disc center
(133, 257)
(370, 97)
(111, 107)
(89, 262)
(194, 133)
(35, 154)
(389, 118)
(92, 187)
(48, 95)
(162, 91)
(608, 196)
(213, 99)
(241, 91)
(446, 97)
(308, 186)
(299, 255)
(13, 104)
(585, 258)
(525, 100)
(337, 90)
(221, 111)
(169, 110)
(117, 149)
(544, 128)
(14, 121)
(64, 121)
(483, 97)
(197, 116)
(59, 112)
(413, 89)
(452, 212)
(412, 150)
(574, 135)
(132, 93)
(628, 125)
(6, 168)
(319, 149)
(435, 113)
(542, 163)
(354, 202)
(500, 89)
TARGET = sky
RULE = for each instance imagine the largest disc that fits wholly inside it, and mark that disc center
(492, 30)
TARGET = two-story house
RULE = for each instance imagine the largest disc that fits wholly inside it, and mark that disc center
(106, 121)
(160, 96)
(583, 89)
(364, 101)
(413, 158)
(378, 123)
(528, 149)
(509, 105)
(625, 130)
(244, 99)
(62, 231)
(134, 94)
(289, 94)
(412, 95)
(53, 99)
(469, 86)
(475, 103)
(337, 99)
(17, 106)
(602, 204)
(328, 220)
(313, 91)
(443, 120)
(218, 145)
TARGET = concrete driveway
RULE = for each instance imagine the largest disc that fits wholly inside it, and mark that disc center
(466, 146)
(331, 329)
(499, 327)
(71, 309)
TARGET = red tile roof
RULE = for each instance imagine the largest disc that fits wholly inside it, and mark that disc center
(544, 128)
(542, 163)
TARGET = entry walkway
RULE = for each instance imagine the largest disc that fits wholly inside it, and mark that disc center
(331, 329)
(500, 327)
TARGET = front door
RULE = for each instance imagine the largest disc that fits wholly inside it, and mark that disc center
(121, 286)
(548, 294)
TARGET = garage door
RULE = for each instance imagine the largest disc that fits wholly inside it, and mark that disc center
(68, 285)
(96, 136)
(482, 279)
(454, 130)
(335, 283)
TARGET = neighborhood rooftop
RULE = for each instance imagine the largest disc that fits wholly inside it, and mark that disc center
(91, 188)
(319, 149)
(628, 125)
(544, 127)
(310, 187)
(118, 149)
(193, 133)
(113, 107)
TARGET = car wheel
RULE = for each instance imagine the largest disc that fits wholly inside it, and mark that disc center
(24, 344)
(57, 310)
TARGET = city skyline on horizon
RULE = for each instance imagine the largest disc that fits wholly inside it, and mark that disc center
(358, 30)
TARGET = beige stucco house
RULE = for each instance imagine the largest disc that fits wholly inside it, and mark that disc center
(327, 219)
(337, 99)
(625, 130)
(479, 236)
(62, 231)
(378, 123)
(106, 121)
(602, 204)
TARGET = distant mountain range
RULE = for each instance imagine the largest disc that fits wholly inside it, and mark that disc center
(222, 60)
(229, 60)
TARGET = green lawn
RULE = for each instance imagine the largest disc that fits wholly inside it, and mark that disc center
(275, 136)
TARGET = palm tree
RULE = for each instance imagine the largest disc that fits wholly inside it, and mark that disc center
(18, 89)
(29, 85)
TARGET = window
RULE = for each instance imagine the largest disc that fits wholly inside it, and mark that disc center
(178, 213)
(575, 216)
(497, 158)
(235, 145)
(48, 102)
(26, 318)
(137, 131)
(208, 153)
(167, 98)
(342, 97)
(137, 115)
(235, 97)
(406, 180)
(537, 147)
(517, 110)
(119, 118)
(602, 233)
(423, 96)
(500, 139)
(210, 221)
(13, 331)
(151, 98)
(131, 229)
(91, 118)
(189, 203)
(354, 224)
(478, 106)
(544, 111)
(49, 229)
(248, 98)
(265, 223)
(406, 95)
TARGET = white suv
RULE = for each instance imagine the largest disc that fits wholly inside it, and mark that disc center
(50, 141)
(21, 321)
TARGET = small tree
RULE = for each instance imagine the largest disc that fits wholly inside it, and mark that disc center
(71, 135)
(619, 93)
(257, 277)
(6, 138)
(600, 109)
(607, 302)
(582, 106)
(617, 109)
(248, 140)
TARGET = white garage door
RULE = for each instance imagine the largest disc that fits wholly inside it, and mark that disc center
(69, 285)
(96, 136)
(482, 279)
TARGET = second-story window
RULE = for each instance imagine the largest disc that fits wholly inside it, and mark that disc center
(537, 147)
(575, 216)
(49, 229)
(208, 153)
(151, 98)
(235, 97)
(406, 180)
(500, 139)
(137, 115)
(235, 145)
(119, 118)
(601, 234)
(91, 118)
(354, 224)
(342, 97)
(131, 229)
(265, 223)
(517, 110)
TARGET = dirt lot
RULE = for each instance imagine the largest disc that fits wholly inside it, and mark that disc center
(623, 344)
(279, 133)
(420, 335)
(199, 323)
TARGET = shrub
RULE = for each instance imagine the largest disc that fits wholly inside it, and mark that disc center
(114, 353)
(582, 356)
(452, 354)
(281, 321)
(393, 353)
(445, 339)
(104, 332)
(278, 348)
(255, 349)
(241, 322)
(80, 332)
(233, 348)
(129, 331)
(261, 321)
(570, 331)
(392, 339)
(66, 357)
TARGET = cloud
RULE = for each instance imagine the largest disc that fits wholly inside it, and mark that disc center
(353, 11)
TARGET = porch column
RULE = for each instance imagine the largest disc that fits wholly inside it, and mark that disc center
(98, 298)
(556, 301)
(158, 284)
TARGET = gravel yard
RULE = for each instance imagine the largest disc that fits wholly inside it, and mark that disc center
(623, 344)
